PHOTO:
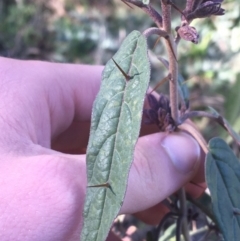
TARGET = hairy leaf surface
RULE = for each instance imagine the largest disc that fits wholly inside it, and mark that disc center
(115, 126)
(223, 179)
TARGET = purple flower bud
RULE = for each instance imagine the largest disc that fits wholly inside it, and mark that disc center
(152, 101)
(159, 113)
(188, 33)
(203, 9)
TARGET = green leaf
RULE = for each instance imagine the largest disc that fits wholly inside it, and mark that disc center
(225, 124)
(223, 179)
(169, 233)
(115, 127)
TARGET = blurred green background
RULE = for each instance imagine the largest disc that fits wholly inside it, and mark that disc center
(91, 31)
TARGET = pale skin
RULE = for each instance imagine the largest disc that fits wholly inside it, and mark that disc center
(47, 105)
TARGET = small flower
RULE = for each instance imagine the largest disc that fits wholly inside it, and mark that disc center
(203, 9)
(197, 9)
(188, 33)
(159, 113)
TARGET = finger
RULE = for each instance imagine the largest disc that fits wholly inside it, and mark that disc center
(195, 188)
(42, 197)
(153, 215)
(74, 139)
(199, 178)
(45, 98)
(69, 141)
(162, 164)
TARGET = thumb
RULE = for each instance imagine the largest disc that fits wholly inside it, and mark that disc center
(162, 164)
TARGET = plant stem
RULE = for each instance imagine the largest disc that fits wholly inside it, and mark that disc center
(183, 208)
(199, 113)
(189, 5)
(166, 16)
(173, 93)
(173, 71)
(157, 31)
(173, 65)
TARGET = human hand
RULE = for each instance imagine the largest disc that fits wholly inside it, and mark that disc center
(47, 105)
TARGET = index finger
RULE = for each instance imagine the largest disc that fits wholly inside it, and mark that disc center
(46, 97)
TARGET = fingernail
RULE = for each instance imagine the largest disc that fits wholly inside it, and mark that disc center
(183, 151)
